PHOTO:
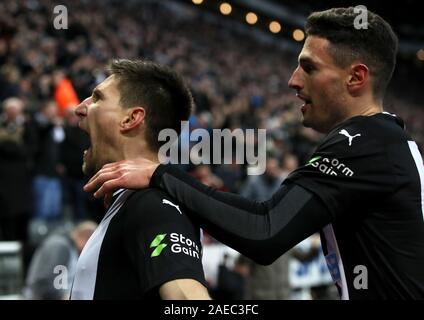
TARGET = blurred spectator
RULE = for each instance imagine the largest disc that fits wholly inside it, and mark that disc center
(304, 142)
(263, 186)
(204, 174)
(64, 93)
(47, 188)
(16, 144)
(52, 268)
(212, 258)
(231, 284)
(308, 273)
(267, 282)
(290, 163)
(9, 82)
(232, 175)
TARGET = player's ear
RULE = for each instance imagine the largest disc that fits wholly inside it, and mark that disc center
(357, 79)
(133, 118)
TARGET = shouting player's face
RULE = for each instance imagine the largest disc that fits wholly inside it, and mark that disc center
(100, 116)
(319, 82)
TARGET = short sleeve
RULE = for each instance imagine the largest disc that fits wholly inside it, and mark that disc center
(162, 242)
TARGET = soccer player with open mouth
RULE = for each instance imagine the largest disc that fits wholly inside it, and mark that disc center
(145, 247)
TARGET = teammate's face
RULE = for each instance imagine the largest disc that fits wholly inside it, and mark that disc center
(99, 116)
(320, 84)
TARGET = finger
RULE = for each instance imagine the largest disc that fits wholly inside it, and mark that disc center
(116, 164)
(108, 187)
(113, 170)
(113, 166)
(94, 181)
(100, 179)
(101, 171)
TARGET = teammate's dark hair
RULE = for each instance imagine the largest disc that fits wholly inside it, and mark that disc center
(375, 46)
(160, 90)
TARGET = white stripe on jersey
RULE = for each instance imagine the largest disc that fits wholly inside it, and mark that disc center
(334, 260)
(86, 269)
(420, 167)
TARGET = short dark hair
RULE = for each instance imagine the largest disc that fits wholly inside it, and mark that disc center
(376, 46)
(159, 89)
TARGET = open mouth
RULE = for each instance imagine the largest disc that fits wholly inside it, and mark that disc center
(87, 155)
(87, 152)
(307, 102)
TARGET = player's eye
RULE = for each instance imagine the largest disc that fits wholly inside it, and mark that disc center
(308, 68)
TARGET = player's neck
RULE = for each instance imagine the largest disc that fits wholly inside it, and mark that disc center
(141, 150)
(358, 108)
(365, 107)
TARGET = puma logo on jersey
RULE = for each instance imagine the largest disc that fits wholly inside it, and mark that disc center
(164, 201)
(345, 133)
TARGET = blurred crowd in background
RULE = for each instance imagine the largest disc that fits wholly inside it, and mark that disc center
(238, 80)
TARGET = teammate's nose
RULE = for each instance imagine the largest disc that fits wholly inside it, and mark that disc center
(295, 81)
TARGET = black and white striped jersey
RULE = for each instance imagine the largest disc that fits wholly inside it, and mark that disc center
(370, 175)
(144, 240)
(363, 188)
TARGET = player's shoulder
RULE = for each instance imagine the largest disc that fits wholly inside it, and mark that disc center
(366, 133)
(154, 200)
(147, 194)
(150, 195)
(383, 125)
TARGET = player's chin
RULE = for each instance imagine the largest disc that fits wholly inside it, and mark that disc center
(307, 121)
(316, 124)
(88, 169)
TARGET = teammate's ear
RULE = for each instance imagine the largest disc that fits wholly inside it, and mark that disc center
(133, 119)
(358, 79)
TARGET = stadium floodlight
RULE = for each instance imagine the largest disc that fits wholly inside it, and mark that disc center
(251, 18)
(298, 35)
(274, 27)
(225, 8)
